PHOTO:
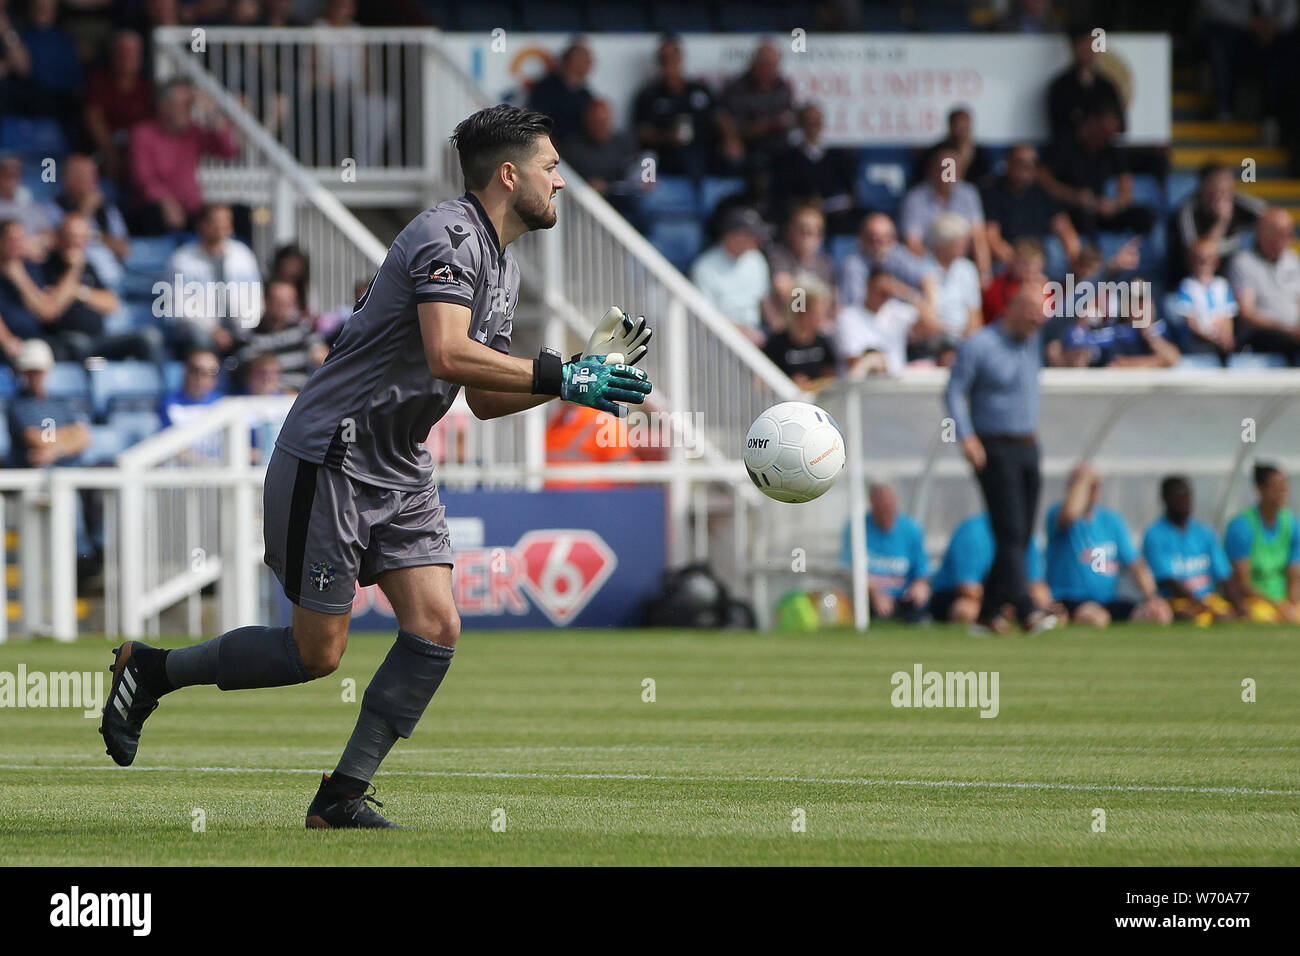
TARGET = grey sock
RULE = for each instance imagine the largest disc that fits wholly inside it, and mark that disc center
(253, 656)
(394, 702)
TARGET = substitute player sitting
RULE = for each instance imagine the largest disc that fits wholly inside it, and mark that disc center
(1263, 544)
(1186, 559)
(350, 496)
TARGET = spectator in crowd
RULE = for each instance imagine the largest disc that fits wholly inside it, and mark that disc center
(757, 109)
(53, 83)
(260, 375)
(291, 264)
(1078, 169)
(1255, 38)
(1025, 269)
(1263, 544)
(77, 330)
(118, 96)
(992, 398)
(44, 430)
(1122, 332)
(943, 192)
(1081, 89)
(973, 164)
(229, 277)
(733, 273)
(959, 302)
(1206, 304)
(164, 159)
(15, 62)
(288, 335)
(26, 307)
(898, 569)
(879, 248)
(959, 582)
(563, 94)
(798, 252)
(1217, 212)
(808, 170)
(1029, 16)
(801, 349)
(1186, 559)
(109, 242)
(674, 116)
(330, 323)
(1017, 206)
(1266, 282)
(1088, 545)
(607, 159)
(16, 203)
(199, 389)
(874, 338)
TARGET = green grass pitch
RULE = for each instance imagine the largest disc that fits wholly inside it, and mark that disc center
(547, 733)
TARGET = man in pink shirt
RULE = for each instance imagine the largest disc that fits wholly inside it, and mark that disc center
(164, 160)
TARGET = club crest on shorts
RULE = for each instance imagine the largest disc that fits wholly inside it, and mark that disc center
(321, 576)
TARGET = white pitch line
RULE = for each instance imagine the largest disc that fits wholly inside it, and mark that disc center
(663, 778)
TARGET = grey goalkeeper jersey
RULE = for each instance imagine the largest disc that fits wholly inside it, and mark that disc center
(369, 408)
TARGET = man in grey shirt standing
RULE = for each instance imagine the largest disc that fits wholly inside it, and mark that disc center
(350, 496)
(992, 397)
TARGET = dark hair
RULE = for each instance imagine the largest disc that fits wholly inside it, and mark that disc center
(1263, 472)
(879, 273)
(1170, 483)
(1210, 169)
(496, 135)
(291, 250)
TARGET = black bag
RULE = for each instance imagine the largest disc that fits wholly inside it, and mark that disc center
(693, 596)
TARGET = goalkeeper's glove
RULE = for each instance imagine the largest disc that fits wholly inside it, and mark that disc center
(589, 381)
(620, 334)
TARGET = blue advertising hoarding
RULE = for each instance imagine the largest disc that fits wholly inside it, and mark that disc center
(570, 558)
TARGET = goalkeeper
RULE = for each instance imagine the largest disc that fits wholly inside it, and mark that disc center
(350, 494)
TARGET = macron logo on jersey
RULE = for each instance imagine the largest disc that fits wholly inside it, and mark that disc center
(456, 234)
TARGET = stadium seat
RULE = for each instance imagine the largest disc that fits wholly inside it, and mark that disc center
(1256, 360)
(680, 241)
(135, 426)
(32, 136)
(116, 381)
(1179, 187)
(1199, 360)
(68, 380)
(1147, 191)
(485, 14)
(617, 18)
(106, 443)
(672, 196)
(942, 16)
(841, 247)
(714, 189)
(8, 383)
(881, 180)
(173, 376)
(1056, 261)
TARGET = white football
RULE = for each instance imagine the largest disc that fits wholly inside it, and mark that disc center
(794, 452)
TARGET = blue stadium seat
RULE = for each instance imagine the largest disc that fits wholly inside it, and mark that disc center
(68, 380)
(106, 443)
(8, 383)
(124, 380)
(680, 241)
(841, 247)
(1179, 186)
(135, 426)
(714, 189)
(672, 196)
(1256, 360)
(881, 179)
(1147, 191)
(1199, 360)
(148, 255)
(30, 136)
(173, 376)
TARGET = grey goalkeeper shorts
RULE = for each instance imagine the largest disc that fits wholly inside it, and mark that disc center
(325, 532)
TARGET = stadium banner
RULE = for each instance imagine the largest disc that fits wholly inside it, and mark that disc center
(875, 89)
(531, 559)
